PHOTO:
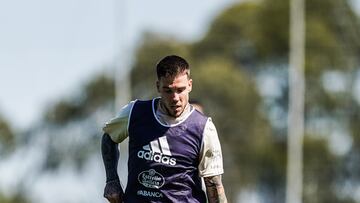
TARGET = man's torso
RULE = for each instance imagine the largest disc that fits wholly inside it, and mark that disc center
(163, 159)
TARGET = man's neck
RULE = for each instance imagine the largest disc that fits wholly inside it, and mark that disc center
(165, 117)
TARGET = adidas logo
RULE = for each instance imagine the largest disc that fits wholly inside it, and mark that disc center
(158, 151)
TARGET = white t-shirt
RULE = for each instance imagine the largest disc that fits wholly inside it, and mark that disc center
(211, 162)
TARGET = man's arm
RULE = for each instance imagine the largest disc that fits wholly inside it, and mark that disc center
(215, 189)
(110, 154)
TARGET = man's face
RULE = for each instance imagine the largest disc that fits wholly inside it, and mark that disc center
(174, 92)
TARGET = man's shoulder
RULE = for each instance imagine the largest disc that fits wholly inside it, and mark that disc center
(199, 116)
(144, 101)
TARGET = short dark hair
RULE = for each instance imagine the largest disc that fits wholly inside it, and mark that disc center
(172, 65)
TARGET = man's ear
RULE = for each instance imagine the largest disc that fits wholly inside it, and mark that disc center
(190, 84)
(158, 86)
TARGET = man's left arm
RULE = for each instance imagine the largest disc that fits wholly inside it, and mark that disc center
(215, 189)
(211, 164)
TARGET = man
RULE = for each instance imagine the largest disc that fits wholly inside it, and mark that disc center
(171, 145)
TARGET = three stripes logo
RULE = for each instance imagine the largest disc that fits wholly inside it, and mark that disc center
(158, 151)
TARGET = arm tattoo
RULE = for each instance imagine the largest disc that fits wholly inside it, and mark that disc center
(110, 155)
(215, 189)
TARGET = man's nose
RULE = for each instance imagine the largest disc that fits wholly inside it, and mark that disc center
(175, 97)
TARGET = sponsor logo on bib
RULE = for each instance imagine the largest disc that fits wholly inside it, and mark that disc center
(151, 179)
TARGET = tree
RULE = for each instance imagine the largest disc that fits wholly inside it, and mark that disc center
(13, 199)
(254, 36)
(7, 136)
(152, 48)
(230, 97)
(243, 43)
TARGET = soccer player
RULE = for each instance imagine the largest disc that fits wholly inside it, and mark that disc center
(171, 145)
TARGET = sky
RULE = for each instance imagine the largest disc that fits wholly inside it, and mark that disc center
(48, 49)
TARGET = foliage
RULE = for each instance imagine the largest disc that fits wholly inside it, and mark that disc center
(7, 135)
(13, 199)
(70, 124)
(97, 92)
(152, 49)
(230, 97)
(240, 43)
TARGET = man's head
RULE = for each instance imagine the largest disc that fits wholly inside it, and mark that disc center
(174, 84)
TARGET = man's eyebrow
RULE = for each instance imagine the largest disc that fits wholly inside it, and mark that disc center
(167, 87)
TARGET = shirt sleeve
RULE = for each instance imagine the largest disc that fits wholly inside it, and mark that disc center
(117, 127)
(211, 162)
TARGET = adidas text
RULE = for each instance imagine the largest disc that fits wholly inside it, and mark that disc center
(157, 157)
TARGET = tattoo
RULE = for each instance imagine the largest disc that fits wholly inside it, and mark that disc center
(110, 155)
(215, 189)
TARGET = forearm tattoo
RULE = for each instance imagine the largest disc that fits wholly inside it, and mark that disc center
(215, 189)
(110, 155)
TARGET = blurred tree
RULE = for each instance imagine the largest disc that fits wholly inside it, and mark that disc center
(97, 92)
(7, 136)
(244, 42)
(70, 123)
(319, 166)
(13, 199)
(258, 32)
(152, 48)
(230, 97)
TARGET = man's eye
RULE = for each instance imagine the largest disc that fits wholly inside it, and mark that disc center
(180, 90)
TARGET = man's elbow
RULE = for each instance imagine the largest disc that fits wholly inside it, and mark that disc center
(106, 139)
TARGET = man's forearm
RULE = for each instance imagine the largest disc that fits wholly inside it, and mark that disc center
(110, 155)
(215, 189)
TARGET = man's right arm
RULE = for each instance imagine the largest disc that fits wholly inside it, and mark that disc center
(110, 154)
(115, 132)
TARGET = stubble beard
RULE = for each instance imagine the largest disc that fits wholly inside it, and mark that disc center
(168, 111)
